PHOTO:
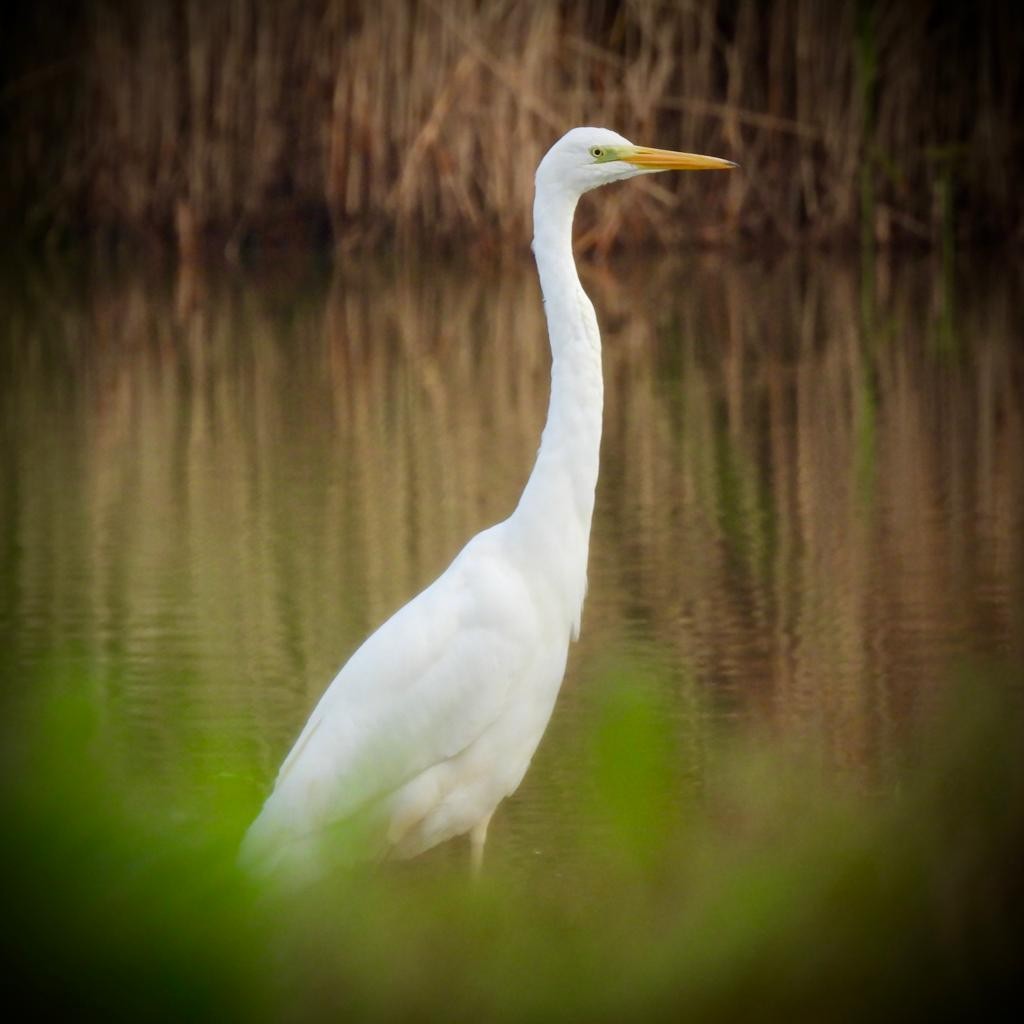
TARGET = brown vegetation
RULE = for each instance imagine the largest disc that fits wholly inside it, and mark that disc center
(356, 121)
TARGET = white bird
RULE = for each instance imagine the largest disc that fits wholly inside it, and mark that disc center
(435, 718)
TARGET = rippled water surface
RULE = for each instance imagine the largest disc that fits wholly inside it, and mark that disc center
(810, 507)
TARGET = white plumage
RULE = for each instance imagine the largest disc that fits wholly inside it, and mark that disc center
(434, 719)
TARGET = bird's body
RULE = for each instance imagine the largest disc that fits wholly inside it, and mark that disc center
(435, 718)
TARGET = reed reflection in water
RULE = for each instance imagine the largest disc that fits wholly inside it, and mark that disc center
(810, 505)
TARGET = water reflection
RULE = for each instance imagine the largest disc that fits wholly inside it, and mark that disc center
(810, 505)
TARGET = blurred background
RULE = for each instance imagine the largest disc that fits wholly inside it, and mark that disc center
(344, 123)
(273, 349)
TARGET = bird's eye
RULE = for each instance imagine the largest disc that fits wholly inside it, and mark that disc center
(597, 152)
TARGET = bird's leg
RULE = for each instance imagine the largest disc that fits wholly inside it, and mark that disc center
(477, 838)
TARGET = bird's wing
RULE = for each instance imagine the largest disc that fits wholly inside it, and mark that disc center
(420, 689)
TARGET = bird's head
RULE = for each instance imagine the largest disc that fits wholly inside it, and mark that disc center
(585, 158)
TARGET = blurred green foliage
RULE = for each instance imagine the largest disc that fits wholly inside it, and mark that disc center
(767, 888)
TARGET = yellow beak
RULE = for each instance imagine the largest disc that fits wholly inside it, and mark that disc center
(669, 160)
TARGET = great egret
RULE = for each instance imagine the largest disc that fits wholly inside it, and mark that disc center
(435, 718)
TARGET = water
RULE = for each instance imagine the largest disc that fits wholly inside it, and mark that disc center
(809, 513)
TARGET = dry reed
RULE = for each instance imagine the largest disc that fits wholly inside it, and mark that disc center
(256, 123)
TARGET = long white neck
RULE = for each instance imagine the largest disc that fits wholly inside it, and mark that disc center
(555, 511)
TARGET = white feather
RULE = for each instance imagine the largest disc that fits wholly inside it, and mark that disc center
(434, 719)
